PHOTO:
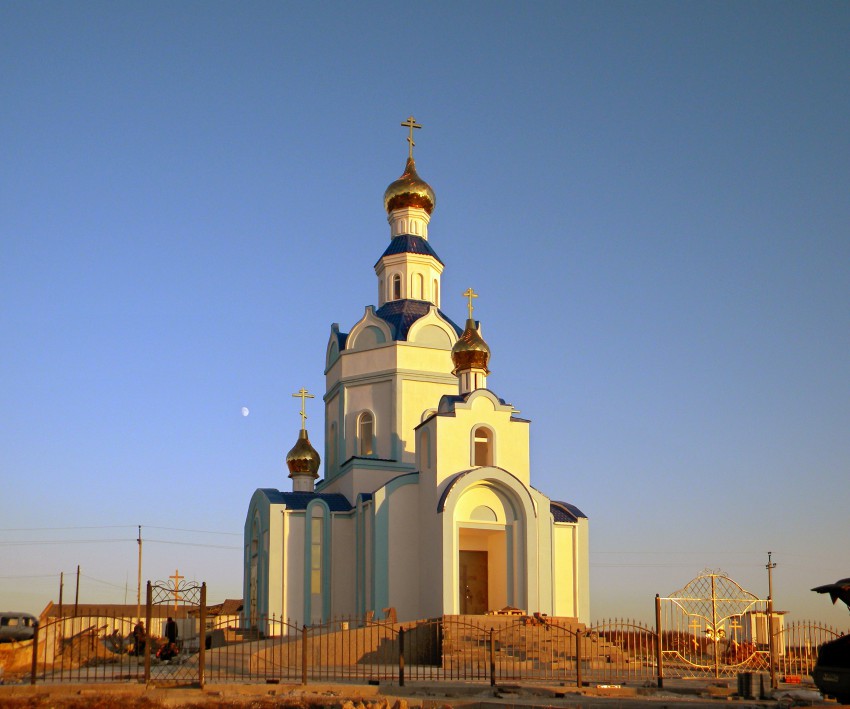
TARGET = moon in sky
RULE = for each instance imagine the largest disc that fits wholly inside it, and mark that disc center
(245, 411)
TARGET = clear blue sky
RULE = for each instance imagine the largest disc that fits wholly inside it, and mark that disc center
(651, 198)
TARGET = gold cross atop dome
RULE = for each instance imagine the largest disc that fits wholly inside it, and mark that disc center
(470, 294)
(411, 124)
(303, 395)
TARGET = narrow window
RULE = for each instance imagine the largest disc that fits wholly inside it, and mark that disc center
(333, 445)
(316, 558)
(436, 293)
(482, 446)
(366, 433)
(396, 287)
(419, 288)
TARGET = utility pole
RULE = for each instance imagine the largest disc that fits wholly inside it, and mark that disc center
(139, 585)
(771, 649)
(770, 567)
(77, 595)
(61, 589)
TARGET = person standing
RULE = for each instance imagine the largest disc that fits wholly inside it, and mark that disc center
(139, 637)
(171, 630)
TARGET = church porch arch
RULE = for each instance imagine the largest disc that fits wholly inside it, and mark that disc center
(489, 541)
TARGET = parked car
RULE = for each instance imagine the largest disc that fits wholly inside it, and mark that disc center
(17, 626)
(832, 670)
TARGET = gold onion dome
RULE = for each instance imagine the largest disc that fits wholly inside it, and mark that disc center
(303, 458)
(409, 190)
(470, 351)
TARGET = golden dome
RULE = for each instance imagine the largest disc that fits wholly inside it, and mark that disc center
(303, 458)
(409, 190)
(470, 351)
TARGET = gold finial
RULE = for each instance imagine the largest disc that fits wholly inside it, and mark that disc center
(469, 293)
(410, 123)
(303, 394)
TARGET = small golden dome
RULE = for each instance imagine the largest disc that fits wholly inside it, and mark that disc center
(409, 190)
(470, 351)
(303, 458)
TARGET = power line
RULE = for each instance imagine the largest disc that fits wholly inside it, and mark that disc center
(34, 542)
(116, 526)
(197, 531)
(56, 529)
(31, 576)
(190, 544)
(106, 583)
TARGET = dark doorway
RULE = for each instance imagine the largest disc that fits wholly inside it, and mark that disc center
(473, 582)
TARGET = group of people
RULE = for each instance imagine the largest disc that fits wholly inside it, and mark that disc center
(168, 650)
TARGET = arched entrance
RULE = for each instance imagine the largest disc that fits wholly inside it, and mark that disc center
(486, 548)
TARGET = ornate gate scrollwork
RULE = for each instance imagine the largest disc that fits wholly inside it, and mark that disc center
(713, 624)
(183, 661)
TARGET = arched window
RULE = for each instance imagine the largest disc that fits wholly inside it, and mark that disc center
(418, 286)
(436, 293)
(317, 540)
(366, 433)
(254, 586)
(482, 446)
(316, 528)
(396, 287)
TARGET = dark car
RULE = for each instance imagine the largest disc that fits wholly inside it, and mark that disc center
(16, 626)
(832, 670)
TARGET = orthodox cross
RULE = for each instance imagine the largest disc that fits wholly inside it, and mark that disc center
(411, 124)
(177, 577)
(302, 394)
(470, 294)
(696, 624)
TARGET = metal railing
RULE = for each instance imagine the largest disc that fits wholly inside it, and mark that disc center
(494, 649)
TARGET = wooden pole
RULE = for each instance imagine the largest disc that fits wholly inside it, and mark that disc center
(77, 595)
(139, 582)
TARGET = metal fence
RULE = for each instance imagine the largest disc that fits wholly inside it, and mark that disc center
(494, 649)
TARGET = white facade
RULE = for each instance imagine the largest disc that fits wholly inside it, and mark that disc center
(427, 505)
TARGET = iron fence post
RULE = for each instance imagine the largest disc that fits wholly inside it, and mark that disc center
(492, 661)
(659, 651)
(401, 657)
(304, 654)
(771, 650)
(148, 605)
(579, 634)
(34, 668)
(202, 650)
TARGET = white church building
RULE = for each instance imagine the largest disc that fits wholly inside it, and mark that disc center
(426, 505)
